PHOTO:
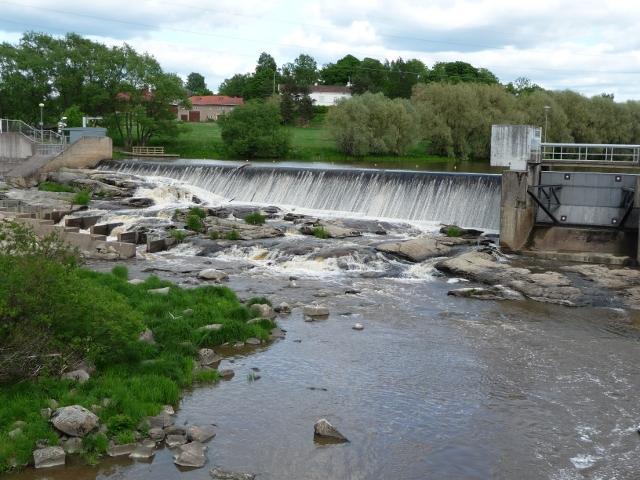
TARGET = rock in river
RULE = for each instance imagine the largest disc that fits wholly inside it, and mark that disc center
(200, 434)
(213, 274)
(324, 429)
(74, 420)
(206, 357)
(416, 249)
(48, 457)
(315, 310)
(263, 310)
(497, 292)
(219, 474)
(191, 455)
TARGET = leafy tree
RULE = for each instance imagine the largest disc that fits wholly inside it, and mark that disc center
(373, 124)
(254, 130)
(402, 76)
(287, 108)
(74, 116)
(235, 86)
(304, 70)
(305, 109)
(522, 86)
(196, 85)
(369, 76)
(460, 72)
(341, 72)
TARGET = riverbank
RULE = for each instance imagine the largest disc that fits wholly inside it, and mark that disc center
(116, 350)
(308, 144)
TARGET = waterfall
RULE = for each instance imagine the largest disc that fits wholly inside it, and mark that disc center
(468, 200)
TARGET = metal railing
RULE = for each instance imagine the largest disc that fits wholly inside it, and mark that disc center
(589, 153)
(46, 142)
(148, 150)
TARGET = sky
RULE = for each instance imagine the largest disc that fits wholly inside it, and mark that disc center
(592, 47)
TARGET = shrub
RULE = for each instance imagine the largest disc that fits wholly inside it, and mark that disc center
(452, 231)
(373, 124)
(214, 235)
(55, 187)
(178, 235)
(232, 235)
(320, 232)
(83, 197)
(195, 223)
(198, 212)
(255, 218)
(254, 130)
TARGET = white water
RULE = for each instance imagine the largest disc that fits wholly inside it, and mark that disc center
(466, 200)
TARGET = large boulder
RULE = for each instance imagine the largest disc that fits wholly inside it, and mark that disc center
(497, 292)
(200, 434)
(315, 311)
(79, 376)
(323, 429)
(213, 275)
(330, 229)
(207, 356)
(74, 420)
(48, 457)
(416, 249)
(191, 455)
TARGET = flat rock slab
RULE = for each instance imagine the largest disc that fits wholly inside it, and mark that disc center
(120, 450)
(315, 310)
(175, 440)
(143, 452)
(191, 455)
(213, 275)
(483, 267)
(219, 474)
(161, 420)
(497, 292)
(74, 420)
(416, 249)
(49, 457)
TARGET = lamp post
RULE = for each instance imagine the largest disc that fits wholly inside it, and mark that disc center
(41, 105)
(546, 121)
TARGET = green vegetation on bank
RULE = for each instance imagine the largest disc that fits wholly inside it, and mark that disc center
(79, 315)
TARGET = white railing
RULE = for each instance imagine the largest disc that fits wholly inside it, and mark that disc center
(46, 142)
(590, 153)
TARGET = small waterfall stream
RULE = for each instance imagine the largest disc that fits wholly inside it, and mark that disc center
(469, 200)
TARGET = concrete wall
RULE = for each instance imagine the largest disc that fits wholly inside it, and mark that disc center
(567, 239)
(207, 112)
(517, 213)
(512, 145)
(14, 146)
(85, 153)
(92, 245)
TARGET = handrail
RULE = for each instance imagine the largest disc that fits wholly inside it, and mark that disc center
(45, 137)
(589, 153)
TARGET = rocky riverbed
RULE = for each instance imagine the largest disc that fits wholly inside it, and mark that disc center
(505, 366)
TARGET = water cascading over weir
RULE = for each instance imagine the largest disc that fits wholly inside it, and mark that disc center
(469, 200)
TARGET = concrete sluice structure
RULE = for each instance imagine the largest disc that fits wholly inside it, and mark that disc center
(573, 215)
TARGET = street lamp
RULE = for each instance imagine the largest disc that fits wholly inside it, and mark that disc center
(546, 121)
(41, 105)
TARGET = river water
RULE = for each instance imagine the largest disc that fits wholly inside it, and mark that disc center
(434, 387)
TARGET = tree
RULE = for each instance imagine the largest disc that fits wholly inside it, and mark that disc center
(522, 86)
(341, 72)
(305, 109)
(369, 76)
(402, 76)
(235, 86)
(373, 124)
(460, 72)
(287, 108)
(74, 116)
(196, 85)
(254, 130)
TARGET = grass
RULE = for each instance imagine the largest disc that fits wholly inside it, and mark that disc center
(194, 222)
(320, 232)
(452, 231)
(258, 300)
(137, 386)
(178, 235)
(232, 235)
(55, 187)
(83, 197)
(255, 218)
(312, 143)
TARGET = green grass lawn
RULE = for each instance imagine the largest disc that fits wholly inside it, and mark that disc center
(312, 143)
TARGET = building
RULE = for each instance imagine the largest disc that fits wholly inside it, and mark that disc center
(328, 95)
(208, 107)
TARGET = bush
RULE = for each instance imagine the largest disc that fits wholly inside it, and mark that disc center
(195, 223)
(55, 187)
(83, 197)
(254, 130)
(214, 235)
(373, 124)
(255, 218)
(320, 232)
(232, 235)
(121, 272)
(178, 235)
(198, 212)
(452, 231)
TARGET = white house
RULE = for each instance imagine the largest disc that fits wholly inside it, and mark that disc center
(327, 95)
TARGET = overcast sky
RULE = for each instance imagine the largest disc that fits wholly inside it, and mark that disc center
(585, 45)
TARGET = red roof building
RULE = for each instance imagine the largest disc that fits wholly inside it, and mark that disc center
(208, 107)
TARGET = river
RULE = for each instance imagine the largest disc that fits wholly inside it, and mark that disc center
(434, 387)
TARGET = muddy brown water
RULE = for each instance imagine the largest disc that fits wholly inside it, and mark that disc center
(435, 387)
